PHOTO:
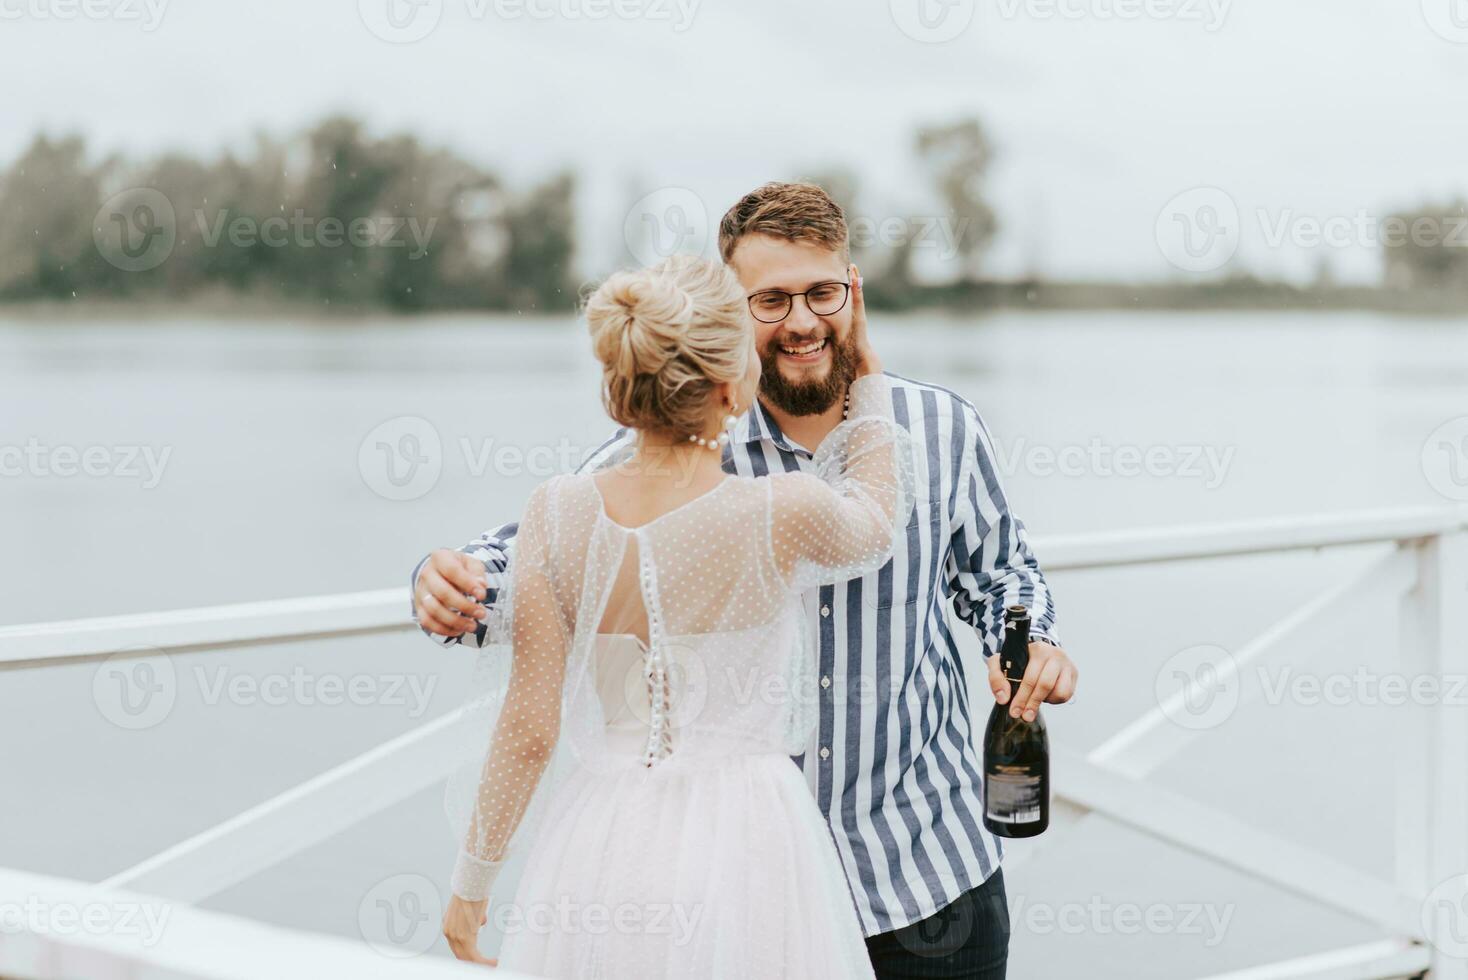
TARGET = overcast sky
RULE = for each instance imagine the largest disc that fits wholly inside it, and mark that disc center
(1102, 111)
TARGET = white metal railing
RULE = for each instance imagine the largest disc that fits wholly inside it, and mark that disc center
(55, 929)
(1423, 564)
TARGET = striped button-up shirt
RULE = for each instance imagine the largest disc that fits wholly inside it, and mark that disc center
(894, 763)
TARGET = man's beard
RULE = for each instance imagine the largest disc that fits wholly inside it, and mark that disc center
(808, 397)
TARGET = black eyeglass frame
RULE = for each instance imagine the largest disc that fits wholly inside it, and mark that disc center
(790, 300)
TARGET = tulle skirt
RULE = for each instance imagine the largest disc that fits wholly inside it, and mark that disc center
(681, 873)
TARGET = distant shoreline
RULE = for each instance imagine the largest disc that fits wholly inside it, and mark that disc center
(1239, 295)
(1246, 295)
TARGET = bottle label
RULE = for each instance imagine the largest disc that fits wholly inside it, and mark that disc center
(1013, 797)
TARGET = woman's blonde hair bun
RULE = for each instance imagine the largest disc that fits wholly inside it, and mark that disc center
(665, 336)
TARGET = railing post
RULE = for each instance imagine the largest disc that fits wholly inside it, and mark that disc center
(1450, 736)
(1417, 644)
(1432, 799)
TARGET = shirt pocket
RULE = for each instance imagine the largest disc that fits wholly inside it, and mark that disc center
(925, 532)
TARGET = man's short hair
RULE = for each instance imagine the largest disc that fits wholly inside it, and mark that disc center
(795, 212)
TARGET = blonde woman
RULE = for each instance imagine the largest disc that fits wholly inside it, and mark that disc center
(658, 653)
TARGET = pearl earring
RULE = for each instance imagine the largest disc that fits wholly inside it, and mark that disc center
(729, 422)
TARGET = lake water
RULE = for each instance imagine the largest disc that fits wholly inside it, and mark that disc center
(230, 460)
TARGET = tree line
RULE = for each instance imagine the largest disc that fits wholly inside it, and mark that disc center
(337, 218)
(331, 217)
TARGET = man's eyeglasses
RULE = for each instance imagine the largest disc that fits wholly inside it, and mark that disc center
(823, 299)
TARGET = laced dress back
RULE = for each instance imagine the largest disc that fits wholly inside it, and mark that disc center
(675, 645)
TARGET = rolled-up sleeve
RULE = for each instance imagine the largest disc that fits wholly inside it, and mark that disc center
(990, 562)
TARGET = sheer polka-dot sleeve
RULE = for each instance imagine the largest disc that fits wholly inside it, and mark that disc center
(528, 726)
(842, 521)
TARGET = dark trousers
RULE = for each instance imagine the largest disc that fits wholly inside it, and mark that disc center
(967, 940)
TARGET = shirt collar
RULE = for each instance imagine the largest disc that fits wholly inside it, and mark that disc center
(758, 425)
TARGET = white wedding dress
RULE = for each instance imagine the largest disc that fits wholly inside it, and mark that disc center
(670, 834)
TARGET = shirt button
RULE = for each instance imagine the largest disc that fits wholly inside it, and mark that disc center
(826, 681)
(825, 752)
(825, 610)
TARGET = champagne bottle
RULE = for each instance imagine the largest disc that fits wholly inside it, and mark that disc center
(1016, 752)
